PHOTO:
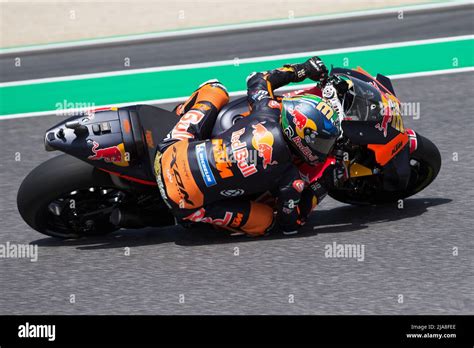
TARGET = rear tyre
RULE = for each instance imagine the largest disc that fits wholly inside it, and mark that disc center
(425, 164)
(65, 197)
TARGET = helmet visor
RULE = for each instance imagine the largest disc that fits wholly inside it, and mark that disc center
(321, 146)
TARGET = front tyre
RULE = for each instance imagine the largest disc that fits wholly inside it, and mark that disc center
(65, 197)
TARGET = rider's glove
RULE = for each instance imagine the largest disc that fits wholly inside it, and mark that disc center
(315, 69)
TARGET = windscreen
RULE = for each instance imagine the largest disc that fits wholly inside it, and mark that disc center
(363, 101)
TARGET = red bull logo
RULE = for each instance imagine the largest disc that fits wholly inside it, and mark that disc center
(200, 216)
(263, 141)
(301, 121)
(383, 125)
(112, 154)
(391, 115)
(241, 154)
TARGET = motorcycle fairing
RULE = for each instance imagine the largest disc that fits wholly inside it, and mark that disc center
(103, 137)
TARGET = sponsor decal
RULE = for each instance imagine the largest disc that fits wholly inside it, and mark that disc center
(180, 130)
(221, 159)
(204, 166)
(232, 192)
(301, 121)
(199, 216)
(397, 147)
(184, 195)
(263, 141)
(241, 154)
(149, 139)
(391, 115)
(112, 154)
(383, 125)
(304, 149)
(274, 104)
(237, 220)
(298, 185)
(299, 118)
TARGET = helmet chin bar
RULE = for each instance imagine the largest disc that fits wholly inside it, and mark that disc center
(330, 94)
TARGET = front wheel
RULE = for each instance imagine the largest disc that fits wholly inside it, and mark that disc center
(67, 198)
(425, 164)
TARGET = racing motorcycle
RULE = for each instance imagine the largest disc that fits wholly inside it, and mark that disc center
(104, 181)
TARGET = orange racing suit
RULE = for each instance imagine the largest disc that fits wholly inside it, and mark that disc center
(212, 180)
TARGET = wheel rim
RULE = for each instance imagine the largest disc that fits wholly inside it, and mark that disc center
(83, 212)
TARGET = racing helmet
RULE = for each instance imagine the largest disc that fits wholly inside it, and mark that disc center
(311, 126)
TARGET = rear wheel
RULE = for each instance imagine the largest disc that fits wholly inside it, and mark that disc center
(67, 198)
(425, 163)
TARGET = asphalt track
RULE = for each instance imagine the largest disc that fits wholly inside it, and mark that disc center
(270, 41)
(408, 251)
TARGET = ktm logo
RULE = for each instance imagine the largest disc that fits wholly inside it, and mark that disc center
(221, 159)
(396, 148)
(179, 181)
(237, 220)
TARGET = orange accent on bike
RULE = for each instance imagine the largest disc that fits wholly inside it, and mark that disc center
(385, 152)
(260, 218)
(126, 126)
(178, 179)
(149, 139)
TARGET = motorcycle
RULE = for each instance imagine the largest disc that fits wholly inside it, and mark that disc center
(104, 181)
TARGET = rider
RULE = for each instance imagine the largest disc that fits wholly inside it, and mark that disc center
(211, 180)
